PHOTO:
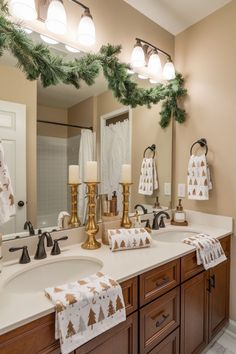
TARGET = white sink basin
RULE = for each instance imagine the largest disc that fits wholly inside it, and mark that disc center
(173, 235)
(51, 273)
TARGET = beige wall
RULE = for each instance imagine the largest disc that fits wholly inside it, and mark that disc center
(205, 54)
(23, 91)
(81, 114)
(52, 114)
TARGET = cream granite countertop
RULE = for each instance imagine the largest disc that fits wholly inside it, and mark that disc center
(21, 308)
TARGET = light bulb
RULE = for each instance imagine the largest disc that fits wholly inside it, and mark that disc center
(137, 56)
(27, 30)
(153, 81)
(71, 49)
(169, 71)
(56, 17)
(142, 77)
(130, 72)
(86, 33)
(24, 9)
(48, 39)
(154, 64)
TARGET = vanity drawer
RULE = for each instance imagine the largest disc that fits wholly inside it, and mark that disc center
(158, 281)
(189, 267)
(159, 319)
(130, 293)
(169, 345)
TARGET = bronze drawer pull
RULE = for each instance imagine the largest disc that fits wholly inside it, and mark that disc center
(162, 319)
(162, 281)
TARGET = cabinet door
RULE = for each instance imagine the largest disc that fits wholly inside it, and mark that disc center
(122, 339)
(170, 345)
(219, 298)
(194, 318)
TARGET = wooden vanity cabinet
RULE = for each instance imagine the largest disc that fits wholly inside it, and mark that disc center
(176, 308)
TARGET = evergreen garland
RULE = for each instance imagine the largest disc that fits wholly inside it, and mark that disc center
(37, 62)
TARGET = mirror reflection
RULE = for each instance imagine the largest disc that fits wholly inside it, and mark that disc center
(44, 131)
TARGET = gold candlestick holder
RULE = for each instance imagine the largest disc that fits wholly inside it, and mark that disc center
(91, 227)
(74, 220)
(125, 221)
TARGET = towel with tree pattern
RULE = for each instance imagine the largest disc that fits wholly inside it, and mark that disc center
(85, 309)
(125, 239)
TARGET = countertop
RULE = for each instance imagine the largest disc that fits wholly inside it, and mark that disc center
(21, 308)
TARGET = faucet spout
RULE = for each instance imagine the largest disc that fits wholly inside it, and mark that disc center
(155, 224)
(142, 207)
(29, 225)
(41, 252)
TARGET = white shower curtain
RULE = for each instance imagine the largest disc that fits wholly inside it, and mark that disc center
(115, 152)
(87, 152)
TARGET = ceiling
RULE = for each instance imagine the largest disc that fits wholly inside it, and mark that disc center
(176, 15)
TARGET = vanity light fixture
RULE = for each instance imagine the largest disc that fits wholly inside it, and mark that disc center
(27, 30)
(142, 77)
(56, 21)
(24, 9)
(145, 55)
(71, 49)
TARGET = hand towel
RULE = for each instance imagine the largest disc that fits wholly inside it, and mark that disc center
(199, 182)
(7, 204)
(85, 309)
(124, 239)
(148, 177)
(61, 219)
(208, 250)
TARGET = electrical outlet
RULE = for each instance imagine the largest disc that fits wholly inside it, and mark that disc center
(181, 190)
(167, 188)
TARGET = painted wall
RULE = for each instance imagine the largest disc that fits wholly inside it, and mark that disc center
(52, 114)
(15, 88)
(205, 54)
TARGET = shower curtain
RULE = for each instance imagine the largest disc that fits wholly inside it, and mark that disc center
(87, 152)
(115, 151)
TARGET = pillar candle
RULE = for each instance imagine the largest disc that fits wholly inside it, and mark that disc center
(74, 174)
(126, 173)
(91, 171)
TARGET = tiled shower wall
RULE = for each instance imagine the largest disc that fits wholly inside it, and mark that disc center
(53, 157)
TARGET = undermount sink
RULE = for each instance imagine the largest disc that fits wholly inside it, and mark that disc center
(173, 235)
(51, 273)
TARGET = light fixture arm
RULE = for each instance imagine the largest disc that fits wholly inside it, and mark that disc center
(152, 46)
(80, 4)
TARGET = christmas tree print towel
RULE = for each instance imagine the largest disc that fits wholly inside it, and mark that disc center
(199, 182)
(148, 177)
(85, 309)
(123, 239)
(209, 251)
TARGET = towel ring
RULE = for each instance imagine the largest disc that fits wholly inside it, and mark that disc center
(152, 148)
(202, 142)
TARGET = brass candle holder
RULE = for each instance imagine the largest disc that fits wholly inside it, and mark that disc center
(125, 221)
(74, 220)
(91, 227)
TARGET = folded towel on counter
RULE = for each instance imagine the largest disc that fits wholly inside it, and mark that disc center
(208, 250)
(61, 219)
(7, 204)
(148, 177)
(124, 239)
(85, 309)
(199, 181)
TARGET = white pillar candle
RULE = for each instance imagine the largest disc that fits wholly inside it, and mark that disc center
(126, 173)
(74, 174)
(91, 171)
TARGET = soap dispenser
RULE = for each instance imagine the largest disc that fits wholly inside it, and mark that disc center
(179, 217)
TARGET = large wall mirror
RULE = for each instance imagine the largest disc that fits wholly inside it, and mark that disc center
(43, 131)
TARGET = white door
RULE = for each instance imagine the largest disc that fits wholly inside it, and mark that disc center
(13, 136)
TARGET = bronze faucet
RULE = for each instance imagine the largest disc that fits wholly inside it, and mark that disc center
(161, 224)
(41, 252)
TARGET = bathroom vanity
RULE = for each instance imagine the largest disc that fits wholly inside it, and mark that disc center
(173, 305)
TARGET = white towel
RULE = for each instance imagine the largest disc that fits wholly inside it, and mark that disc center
(61, 218)
(148, 177)
(208, 250)
(85, 309)
(123, 239)
(199, 182)
(7, 204)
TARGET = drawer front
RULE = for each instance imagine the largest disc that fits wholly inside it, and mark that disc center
(158, 281)
(169, 345)
(189, 267)
(159, 319)
(130, 293)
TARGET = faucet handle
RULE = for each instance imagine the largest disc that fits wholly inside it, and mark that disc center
(56, 249)
(162, 223)
(25, 258)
